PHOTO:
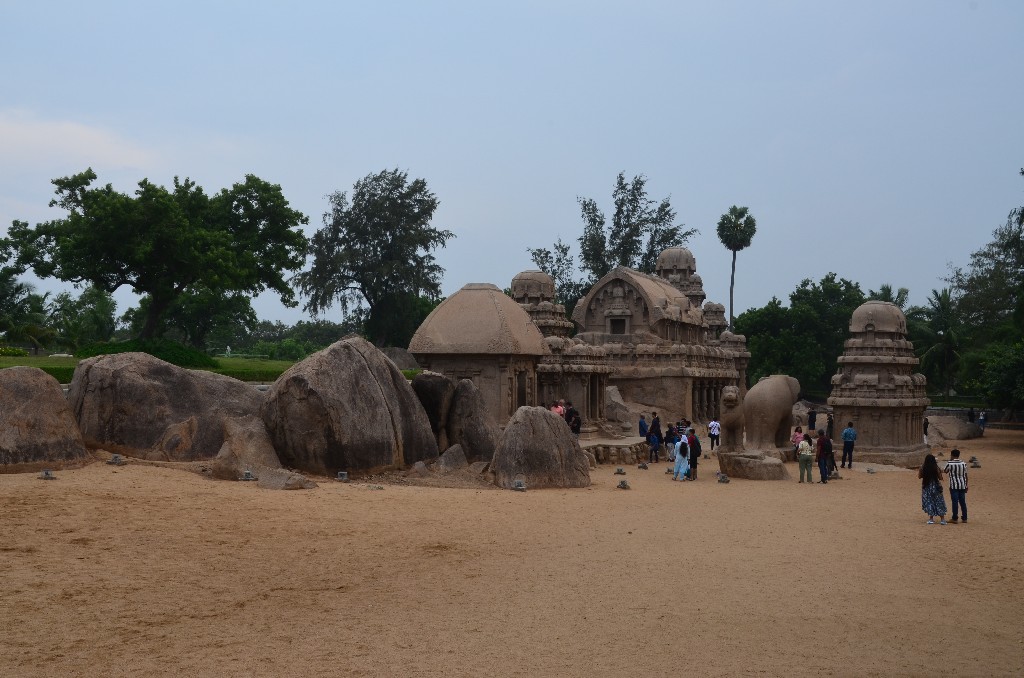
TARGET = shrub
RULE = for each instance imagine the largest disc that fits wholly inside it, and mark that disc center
(13, 352)
(164, 349)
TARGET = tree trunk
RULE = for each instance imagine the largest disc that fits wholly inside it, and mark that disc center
(732, 286)
(153, 313)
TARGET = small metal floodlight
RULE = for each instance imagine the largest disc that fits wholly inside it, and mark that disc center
(519, 485)
(623, 484)
(116, 460)
(248, 475)
(343, 476)
(47, 474)
(619, 471)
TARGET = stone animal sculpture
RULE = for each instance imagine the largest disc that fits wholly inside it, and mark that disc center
(731, 420)
(768, 412)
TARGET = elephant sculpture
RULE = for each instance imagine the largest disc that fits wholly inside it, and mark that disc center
(768, 412)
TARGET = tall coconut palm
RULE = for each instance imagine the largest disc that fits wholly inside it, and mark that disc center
(736, 229)
(886, 293)
(940, 336)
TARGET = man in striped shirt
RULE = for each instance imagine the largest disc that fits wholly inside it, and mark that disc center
(956, 469)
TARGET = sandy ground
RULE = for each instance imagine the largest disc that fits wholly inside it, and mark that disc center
(134, 570)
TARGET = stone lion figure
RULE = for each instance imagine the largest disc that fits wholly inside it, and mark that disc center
(731, 420)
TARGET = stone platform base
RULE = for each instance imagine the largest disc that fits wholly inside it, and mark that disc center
(902, 457)
(622, 451)
(753, 465)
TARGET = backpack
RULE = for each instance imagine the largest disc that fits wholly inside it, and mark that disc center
(696, 445)
(826, 447)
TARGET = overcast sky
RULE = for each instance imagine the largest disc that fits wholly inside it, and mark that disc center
(880, 140)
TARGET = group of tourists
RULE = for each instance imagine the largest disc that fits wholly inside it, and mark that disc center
(683, 447)
(566, 411)
(819, 450)
(932, 501)
(681, 444)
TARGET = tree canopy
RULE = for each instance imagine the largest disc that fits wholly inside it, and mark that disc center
(82, 320)
(161, 242)
(376, 251)
(806, 339)
(641, 228)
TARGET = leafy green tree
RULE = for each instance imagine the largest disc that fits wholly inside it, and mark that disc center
(318, 334)
(200, 312)
(776, 347)
(86, 319)
(991, 289)
(641, 228)
(736, 230)
(162, 242)
(806, 339)
(377, 251)
(559, 263)
(1002, 377)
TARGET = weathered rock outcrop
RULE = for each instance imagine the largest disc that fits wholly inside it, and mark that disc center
(435, 392)
(346, 408)
(752, 465)
(941, 429)
(402, 359)
(457, 414)
(470, 423)
(37, 426)
(140, 406)
(247, 447)
(453, 459)
(538, 448)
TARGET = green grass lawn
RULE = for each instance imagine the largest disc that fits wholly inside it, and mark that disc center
(245, 369)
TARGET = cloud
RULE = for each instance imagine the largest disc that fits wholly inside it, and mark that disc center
(28, 142)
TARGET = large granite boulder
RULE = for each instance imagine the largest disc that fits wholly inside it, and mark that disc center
(247, 447)
(435, 392)
(141, 406)
(470, 423)
(752, 466)
(538, 448)
(402, 359)
(951, 428)
(37, 427)
(347, 408)
(453, 459)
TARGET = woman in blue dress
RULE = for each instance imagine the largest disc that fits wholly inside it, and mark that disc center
(932, 500)
(682, 467)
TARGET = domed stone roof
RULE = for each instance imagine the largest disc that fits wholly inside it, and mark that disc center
(479, 318)
(880, 316)
(678, 258)
(533, 285)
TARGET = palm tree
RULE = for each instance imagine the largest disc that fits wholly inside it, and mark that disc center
(885, 293)
(736, 229)
(940, 330)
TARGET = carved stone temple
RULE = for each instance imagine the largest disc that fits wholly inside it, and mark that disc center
(652, 336)
(877, 389)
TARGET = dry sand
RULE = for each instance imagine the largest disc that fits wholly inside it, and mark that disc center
(140, 571)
